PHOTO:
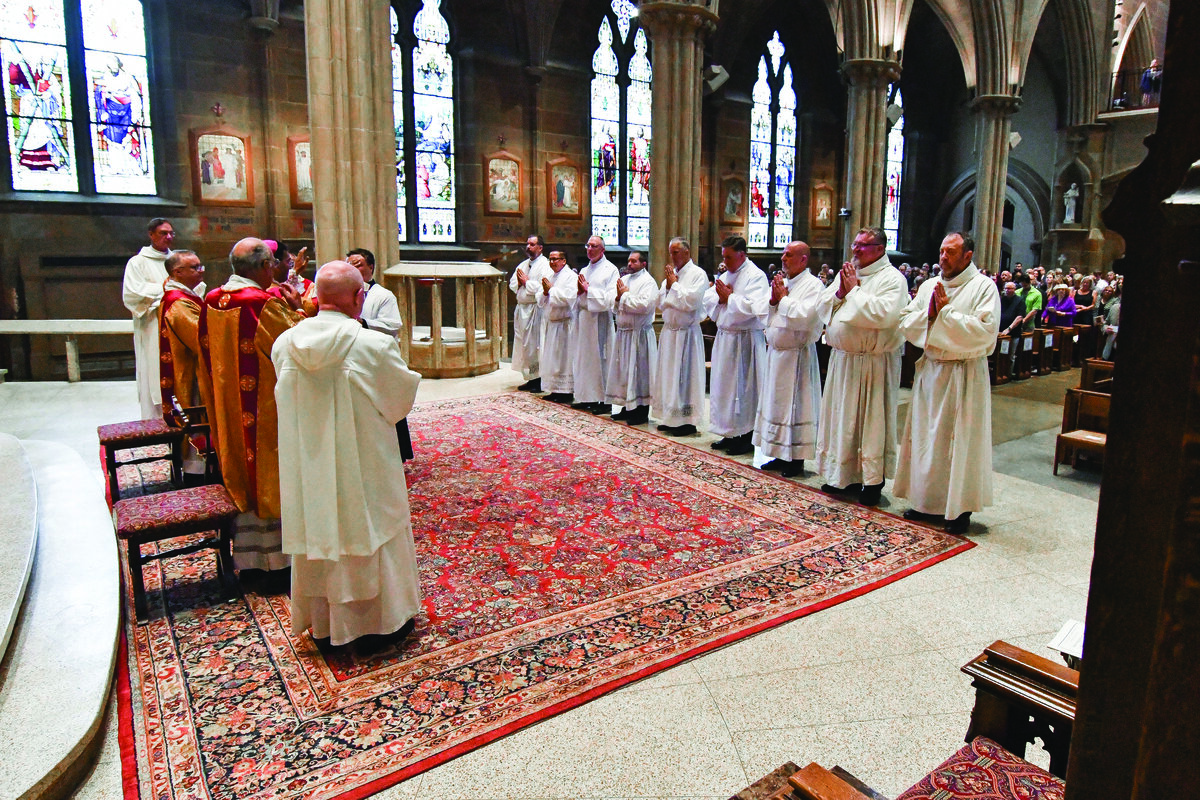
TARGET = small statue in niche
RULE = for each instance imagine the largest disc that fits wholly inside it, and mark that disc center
(1070, 198)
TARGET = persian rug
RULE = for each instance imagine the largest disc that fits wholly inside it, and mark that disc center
(561, 556)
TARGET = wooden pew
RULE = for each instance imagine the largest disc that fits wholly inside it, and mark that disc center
(1025, 357)
(908, 364)
(1064, 338)
(1096, 375)
(1085, 346)
(1044, 347)
(1084, 427)
(1000, 361)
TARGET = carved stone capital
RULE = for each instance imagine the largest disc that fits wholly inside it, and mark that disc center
(996, 104)
(876, 71)
(678, 19)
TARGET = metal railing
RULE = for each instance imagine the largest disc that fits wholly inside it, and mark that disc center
(1134, 89)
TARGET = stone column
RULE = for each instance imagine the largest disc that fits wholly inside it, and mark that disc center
(353, 134)
(676, 30)
(866, 142)
(993, 127)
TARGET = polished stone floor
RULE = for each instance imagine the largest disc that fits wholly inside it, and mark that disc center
(872, 684)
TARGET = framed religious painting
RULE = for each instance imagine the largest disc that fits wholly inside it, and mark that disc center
(822, 207)
(733, 200)
(502, 171)
(564, 189)
(300, 183)
(221, 166)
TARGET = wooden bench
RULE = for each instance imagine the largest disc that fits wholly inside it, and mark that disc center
(1065, 352)
(1044, 348)
(1025, 356)
(122, 436)
(1019, 696)
(72, 328)
(1084, 426)
(1000, 361)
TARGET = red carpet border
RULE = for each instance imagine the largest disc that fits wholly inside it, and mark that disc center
(561, 555)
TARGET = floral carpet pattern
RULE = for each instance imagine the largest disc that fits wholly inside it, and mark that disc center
(561, 557)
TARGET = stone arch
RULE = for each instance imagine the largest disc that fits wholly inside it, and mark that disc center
(956, 18)
(1022, 179)
(1137, 47)
(1085, 98)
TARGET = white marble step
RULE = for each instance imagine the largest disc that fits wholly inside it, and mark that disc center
(56, 676)
(18, 532)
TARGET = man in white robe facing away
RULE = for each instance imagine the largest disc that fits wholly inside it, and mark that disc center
(634, 353)
(557, 300)
(594, 333)
(381, 312)
(142, 291)
(945, 468)
(856, 437)
(340, 391)
(678, 390)
(737, 302)
(790, 402)
(526, 284)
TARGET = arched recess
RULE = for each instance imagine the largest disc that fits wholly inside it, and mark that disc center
(1028, 184)
(1137, 49)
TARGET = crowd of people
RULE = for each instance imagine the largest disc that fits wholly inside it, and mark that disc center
(308, 421)
(587, 339)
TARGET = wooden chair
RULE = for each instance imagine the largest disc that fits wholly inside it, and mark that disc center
(1019, 696)
(154, 517)
(1085, 425)
(198, 432)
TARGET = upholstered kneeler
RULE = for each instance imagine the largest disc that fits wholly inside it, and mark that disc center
(141, 433)
(153, 517)
(983, 770)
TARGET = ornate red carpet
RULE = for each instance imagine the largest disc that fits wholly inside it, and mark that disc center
(561, 556)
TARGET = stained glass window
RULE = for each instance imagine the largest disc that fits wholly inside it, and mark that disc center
(895, 173)
(54, 138)
(621, 129)
(37, 96)
(772, 150)
(427, 105)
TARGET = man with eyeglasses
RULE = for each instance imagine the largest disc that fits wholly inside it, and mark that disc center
(856, 438)
(560, 291)
(238, 325)
(179, 340)
(142, 291)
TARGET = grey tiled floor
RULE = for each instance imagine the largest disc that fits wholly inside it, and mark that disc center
(872, 684)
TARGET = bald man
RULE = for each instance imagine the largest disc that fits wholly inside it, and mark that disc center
(238, 325)
(341, 390)
(790, 403)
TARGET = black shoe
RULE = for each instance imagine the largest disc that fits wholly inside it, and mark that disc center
(639, 416)
(666, 429)
(559, 397)
(583, 406)
(678, 430)
(623, 414)
(776, 465)
(794, 469)
(913, 515)
(829, 488)
(871, 495)
(741, 446)
(601, 409)
(721, 444)
(960, 524)
(533, 385)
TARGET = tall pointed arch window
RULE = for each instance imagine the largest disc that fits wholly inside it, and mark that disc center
(76, 82)
(423, 105)
(895, 169)
(772, 149)
(621, 130)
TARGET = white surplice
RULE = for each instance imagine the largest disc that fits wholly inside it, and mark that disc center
(527, 315)
(142, 291)
(341, 390)
(946, 453)
(739, 353)
(634, 355)
(381, 311)
(856, 438)
(593, 336)
(790, 402)
(679, 377)
(558, 318)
